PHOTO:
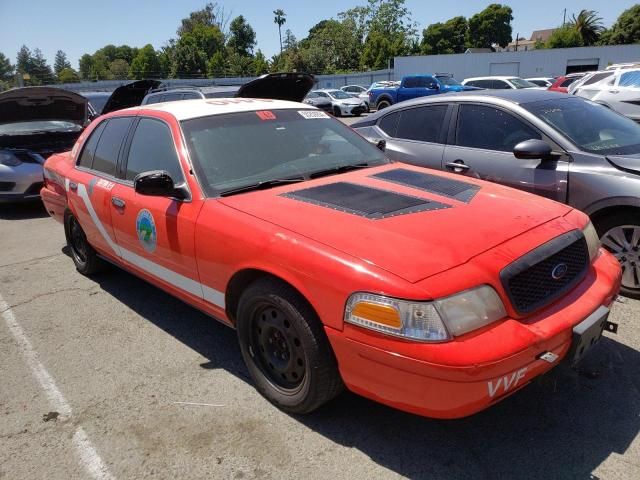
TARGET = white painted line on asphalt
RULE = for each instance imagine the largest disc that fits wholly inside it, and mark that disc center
(89, 458)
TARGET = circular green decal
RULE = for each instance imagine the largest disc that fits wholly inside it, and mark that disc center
(146, 228)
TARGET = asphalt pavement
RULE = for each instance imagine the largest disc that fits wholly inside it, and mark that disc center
(109, 377)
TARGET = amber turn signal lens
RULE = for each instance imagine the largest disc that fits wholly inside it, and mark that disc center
(383, 314)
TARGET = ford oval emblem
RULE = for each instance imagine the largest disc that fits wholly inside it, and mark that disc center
(559, 271)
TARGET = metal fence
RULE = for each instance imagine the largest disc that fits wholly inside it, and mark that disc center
(322, 81)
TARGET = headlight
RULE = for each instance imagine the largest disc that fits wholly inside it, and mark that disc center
(593, 241)
(9, 160)
(426, 321)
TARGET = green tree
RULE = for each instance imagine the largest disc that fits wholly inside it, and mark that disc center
(565, 37)
(260, 64)
(126, 53)
(68, 75)
(448, 37)
(60, 62)
(492, 26)
(110, 52)
(34, 66)
(242, 37)
(86, 64)
(99, 67)
(239, 65)
(145, 64)
(6, 69)
(119, 69)
(626, 30)
(331, 46)
(212, 15)
(280, 20)
(217, 66)
(588, 25)
(193, 50)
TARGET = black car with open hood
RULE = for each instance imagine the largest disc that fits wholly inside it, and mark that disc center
(278, 86)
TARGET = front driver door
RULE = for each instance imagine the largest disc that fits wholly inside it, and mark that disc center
(156, 234)
(482, 147)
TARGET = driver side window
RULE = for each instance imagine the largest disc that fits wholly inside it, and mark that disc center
(490, 128)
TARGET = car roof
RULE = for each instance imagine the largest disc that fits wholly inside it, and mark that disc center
(187, 109)
(493, 77)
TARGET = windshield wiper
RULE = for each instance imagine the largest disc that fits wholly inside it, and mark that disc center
(261, 185)
(336, 170)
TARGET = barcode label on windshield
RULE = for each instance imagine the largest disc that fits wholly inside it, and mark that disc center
(311, 114)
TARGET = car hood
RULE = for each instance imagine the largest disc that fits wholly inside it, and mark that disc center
(412, 246)
(628, 162)
(129, 95)
(460, 88)
(31, 104)
(278, 86)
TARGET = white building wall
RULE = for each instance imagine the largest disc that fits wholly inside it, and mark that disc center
(534, 63)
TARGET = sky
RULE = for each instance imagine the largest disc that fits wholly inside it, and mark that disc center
(79, 27)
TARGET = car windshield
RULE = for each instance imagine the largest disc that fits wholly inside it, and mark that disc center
(592, 127)
(339, 94)
(446, 80)
(240, 149)
(26, 128)
(521, 83)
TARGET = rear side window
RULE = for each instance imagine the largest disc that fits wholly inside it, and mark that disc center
(423, 124)
(597, 77)
(86, 158)
(152, 148)
(500, 85)
(190, 96)
(106, 156)
(152, 99)
(567, 82)
(389, 123)
(489, 128)
(411, 82)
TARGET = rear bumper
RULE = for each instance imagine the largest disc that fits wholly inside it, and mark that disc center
(404, 374)
(55, 203)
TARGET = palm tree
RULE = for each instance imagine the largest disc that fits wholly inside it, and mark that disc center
(588, 25)
(280, 20)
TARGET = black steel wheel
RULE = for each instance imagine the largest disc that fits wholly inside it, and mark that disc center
(336, 112)
(284, 347)
(84, 256)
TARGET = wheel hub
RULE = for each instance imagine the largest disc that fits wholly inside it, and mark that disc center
(624, 243)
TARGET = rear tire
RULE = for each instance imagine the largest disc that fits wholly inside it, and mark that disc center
(285, 348)
(82, 253)
(336, 112)
(620, 235)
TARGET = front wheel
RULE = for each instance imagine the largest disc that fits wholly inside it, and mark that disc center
(383, 104)
(83, 255)
(285, 349)
(620, 234)
(336, 112)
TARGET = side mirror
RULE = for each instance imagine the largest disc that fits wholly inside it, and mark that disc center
(434, 86)
(158, 183)
(379, 143)
(532, 149)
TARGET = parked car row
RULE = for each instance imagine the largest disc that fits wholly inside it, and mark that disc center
(339, 267)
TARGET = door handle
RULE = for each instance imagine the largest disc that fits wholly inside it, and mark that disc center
(73, 186)
(458, 166)
(118, 202)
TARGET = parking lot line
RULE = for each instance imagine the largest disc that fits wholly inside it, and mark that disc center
(89, 458)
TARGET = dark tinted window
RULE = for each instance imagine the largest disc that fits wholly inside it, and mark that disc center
(190, 96)
(172, 97)
(86, 158)
(389, 123)
(426, 82)
(411, 82)
(568, 81)
(106, 157)
(597, 77)
(423, 123)
(500, 85)
(153, 99)
(491, 129)
(152, 148)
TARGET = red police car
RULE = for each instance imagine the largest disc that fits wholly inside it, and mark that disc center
(337, 267)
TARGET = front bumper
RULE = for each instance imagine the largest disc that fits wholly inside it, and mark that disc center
(353, 109)
(21, 183)
(483, 367)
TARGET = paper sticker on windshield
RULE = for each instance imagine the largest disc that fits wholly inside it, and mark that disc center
(312, 114)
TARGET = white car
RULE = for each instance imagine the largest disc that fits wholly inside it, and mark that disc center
(500, 83)
(343, 103)
(618, 90)
(544, 82)
(358, 91)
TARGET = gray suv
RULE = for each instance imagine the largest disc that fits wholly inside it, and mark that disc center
(551, 144)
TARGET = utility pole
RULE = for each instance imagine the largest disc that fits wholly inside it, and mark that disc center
(517, 38)
(564, 17)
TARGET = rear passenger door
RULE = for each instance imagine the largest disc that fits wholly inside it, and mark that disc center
(90, 184)
(482, 146)
(416, 135)
(156, 233)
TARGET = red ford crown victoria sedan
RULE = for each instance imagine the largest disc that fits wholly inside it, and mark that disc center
(336, 266)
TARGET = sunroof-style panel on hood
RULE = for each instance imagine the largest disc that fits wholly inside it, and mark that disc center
(461, 191)
(364, 201)
(42, 104)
